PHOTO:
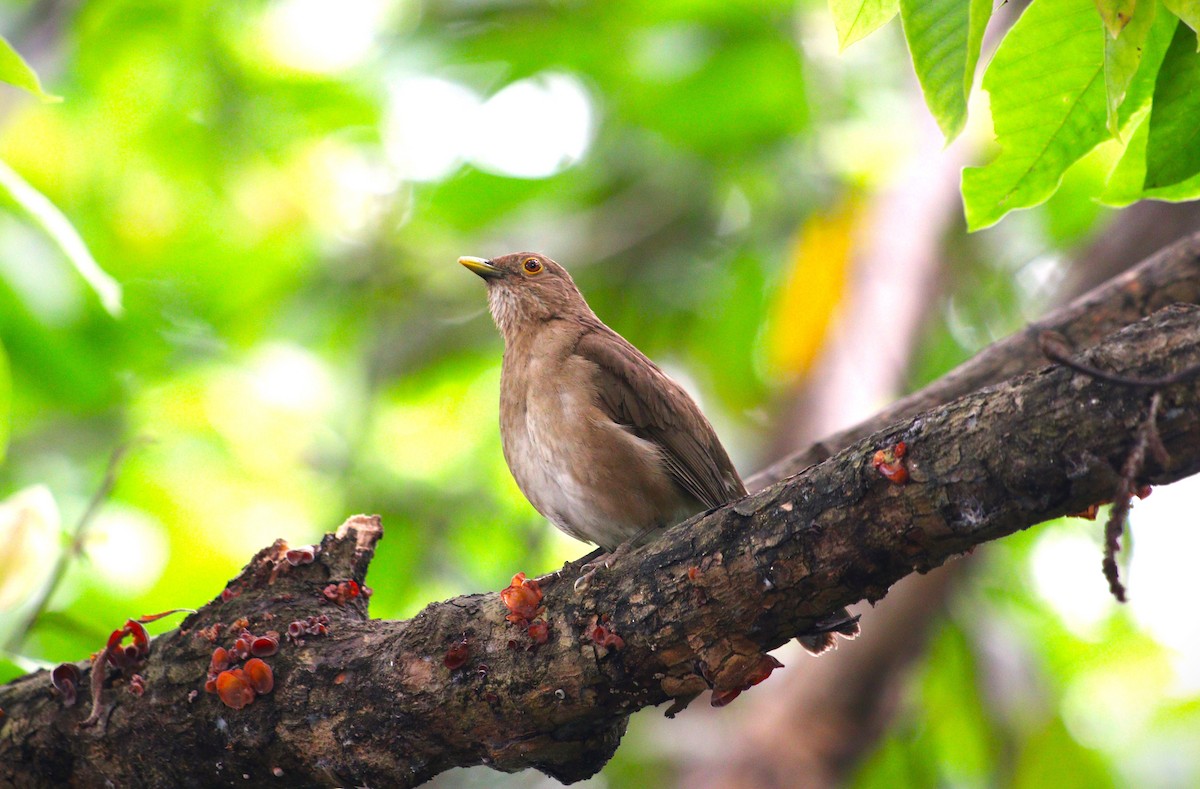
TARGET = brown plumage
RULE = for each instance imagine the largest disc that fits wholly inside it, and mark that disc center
(599, 439)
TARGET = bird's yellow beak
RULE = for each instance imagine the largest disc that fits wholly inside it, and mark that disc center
(483, 268)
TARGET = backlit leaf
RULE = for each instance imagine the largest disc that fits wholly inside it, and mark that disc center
(856, 19)
(944, 39)
(15, 71)
(1046, 84)
(1122, 56)
(1173, 148)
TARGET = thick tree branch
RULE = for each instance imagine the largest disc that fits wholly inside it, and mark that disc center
(1171, 276)
(374, 702)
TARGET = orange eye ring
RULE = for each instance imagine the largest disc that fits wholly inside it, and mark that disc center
(532, 266)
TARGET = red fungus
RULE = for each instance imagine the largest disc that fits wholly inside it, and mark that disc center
(456, 655)
(606, 638)
(539, 631)
(260, 676)
(522, 597)
(890, 463)
(766, 664)
(65, 679)
(265, 646)
(220, 660)
(341, 592)
(234, 688)
(302, 555)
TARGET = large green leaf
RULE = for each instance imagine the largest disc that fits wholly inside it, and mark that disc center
(856, 19)
(1126, 180)
(63, 233)
(1047, 93)
(1122, 56)
(15, 71)
(1117, 13)
(1187, 10)
(1173, 148)
(944, 38)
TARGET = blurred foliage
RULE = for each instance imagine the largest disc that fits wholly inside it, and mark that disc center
(281, 190)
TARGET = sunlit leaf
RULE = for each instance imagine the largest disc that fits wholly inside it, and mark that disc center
(1122, 56)
(15, 71)
(1188, 11)
(1047, 94)
(1125, 183)
(1117, 13)
(944, 39)
(52, 221)
(1173, 148)
(856, 19)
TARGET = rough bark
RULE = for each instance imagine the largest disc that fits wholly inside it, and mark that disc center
(1170, 276)
(373, 702)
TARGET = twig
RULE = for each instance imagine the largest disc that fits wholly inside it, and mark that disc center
(76, 547)
(1055, 347)
(1147, 438)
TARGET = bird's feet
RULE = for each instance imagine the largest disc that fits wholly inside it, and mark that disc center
(602, 562)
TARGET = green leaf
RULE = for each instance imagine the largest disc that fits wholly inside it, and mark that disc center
(60, 230)
(1141, 88)
(856, 19)
(1173, 149)
(944, 38)
(1122, 56)
(1117, 13)
(1047, 94)
(1125, 182)
(15, 71)
(1188, 11)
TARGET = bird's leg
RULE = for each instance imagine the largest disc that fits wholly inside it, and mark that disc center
(606, 560)
(570, 567)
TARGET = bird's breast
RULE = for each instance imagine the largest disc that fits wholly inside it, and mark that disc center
(592, 478)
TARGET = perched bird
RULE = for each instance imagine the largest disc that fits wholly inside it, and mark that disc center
(599, 439)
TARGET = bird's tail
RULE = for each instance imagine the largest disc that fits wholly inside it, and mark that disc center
(823, 634)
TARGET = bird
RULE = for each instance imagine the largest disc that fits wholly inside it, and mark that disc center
(599, 439)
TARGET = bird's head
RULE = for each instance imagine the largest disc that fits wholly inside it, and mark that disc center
(525, 289)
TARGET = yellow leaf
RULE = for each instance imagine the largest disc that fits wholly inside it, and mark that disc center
(809, 298)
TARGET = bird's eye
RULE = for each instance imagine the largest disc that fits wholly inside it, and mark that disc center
(532, 266)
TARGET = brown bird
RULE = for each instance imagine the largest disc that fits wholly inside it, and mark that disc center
(599, 439)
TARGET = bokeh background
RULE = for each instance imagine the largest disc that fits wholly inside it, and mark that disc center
(280, 191)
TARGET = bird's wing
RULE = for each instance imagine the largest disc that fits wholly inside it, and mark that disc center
(635, 393)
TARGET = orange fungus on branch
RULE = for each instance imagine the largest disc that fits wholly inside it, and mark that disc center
(890, 463)
(522, 597)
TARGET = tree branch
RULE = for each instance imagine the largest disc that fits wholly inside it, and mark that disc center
(1168, 277)
(394, 703)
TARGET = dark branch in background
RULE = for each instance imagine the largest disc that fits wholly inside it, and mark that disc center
(394, 703)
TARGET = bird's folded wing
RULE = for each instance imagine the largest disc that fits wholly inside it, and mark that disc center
(635, 393)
